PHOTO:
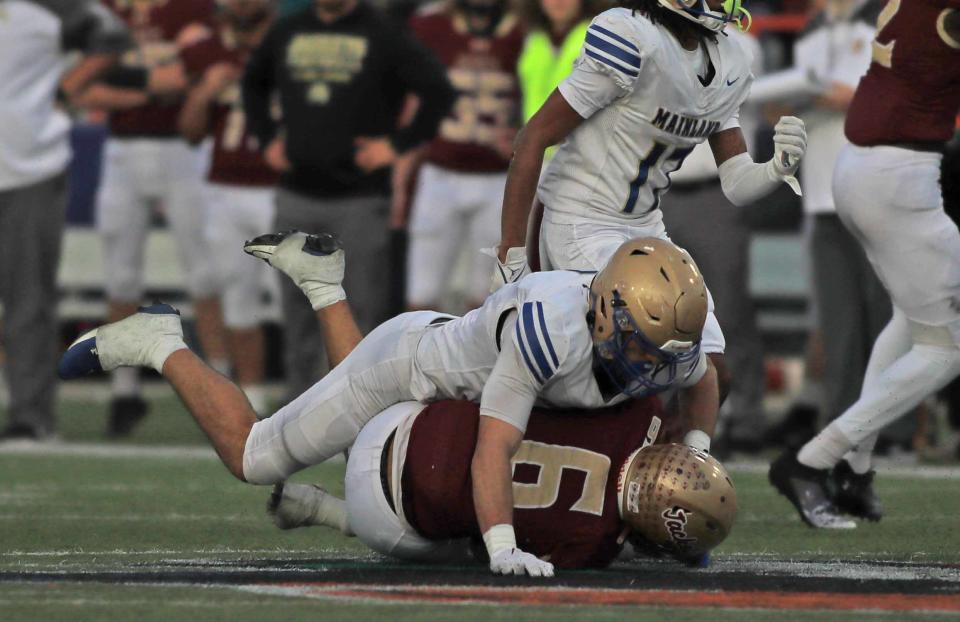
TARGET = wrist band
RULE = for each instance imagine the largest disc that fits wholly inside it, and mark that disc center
(499, 537)
(698, 439)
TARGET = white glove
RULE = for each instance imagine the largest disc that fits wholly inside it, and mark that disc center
(516, 562)
(314, 262)
(510, 271)
(789, 145)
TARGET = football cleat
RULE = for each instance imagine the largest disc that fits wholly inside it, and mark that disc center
(855, 494)
(807, 489)
(125, 413)
(306, 505)
(144, 339)
(315, 263)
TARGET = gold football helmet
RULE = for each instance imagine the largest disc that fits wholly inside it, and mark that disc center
(677, 499)
(647, 310)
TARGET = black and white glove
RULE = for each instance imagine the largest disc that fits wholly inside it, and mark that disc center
(509, 271)
(789, 145)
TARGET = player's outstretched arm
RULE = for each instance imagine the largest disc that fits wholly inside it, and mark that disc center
(743, 180)
(699, 406)
(552, 123)
(493, 498)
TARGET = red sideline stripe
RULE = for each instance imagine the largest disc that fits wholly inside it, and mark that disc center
(661, 598)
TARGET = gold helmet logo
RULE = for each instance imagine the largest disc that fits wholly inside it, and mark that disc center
(677, 499)
(648, 307)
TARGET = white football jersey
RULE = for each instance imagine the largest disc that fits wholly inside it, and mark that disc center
(455, 359)
(647, 102)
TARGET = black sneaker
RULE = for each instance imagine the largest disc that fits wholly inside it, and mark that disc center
(855, 494)
(125, 413)
(20, 432)
(807, 489)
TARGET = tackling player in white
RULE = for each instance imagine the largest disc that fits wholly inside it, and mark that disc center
(563, 339)
(654, 78)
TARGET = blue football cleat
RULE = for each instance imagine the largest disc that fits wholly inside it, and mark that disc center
(143, 339)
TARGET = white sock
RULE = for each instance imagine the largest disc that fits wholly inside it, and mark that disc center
(160, 351)
(824, 450)
(125, 382)
(860, 458)
(332, 512)
(893, 342)
(899, 389)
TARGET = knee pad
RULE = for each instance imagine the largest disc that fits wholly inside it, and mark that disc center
(266, 460)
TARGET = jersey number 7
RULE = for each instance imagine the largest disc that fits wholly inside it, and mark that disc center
(659, 156)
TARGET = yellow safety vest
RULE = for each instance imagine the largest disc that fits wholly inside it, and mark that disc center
(542, 67)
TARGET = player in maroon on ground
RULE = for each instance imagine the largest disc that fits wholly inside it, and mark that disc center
(239, 191)
(581, 484)
(887, 191)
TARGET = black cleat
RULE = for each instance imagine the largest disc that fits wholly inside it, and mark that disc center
(807, 489)
(16, 432)
(125, 413)
(855, 494)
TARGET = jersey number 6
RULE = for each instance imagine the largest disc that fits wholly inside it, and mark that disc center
(552, 460)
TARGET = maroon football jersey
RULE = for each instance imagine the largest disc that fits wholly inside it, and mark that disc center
(565, 477)
(483, 70)
(236, 153)
(155, 25)
(911, 92)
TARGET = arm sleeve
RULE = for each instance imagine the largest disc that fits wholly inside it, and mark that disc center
(419, 70)
(528, 360)
(257, 87)
(744, 181)
(608, 66)
(92, 28)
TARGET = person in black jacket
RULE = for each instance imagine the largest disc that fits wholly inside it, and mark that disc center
(342, 70)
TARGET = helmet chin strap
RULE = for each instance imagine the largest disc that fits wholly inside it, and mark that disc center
(732, 11)
(735, 11)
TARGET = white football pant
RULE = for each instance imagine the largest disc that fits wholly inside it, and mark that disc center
(368, 511)
(137, 172)
(452, 210)
(236, 214)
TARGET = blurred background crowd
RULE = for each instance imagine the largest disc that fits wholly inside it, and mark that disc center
(217, 124)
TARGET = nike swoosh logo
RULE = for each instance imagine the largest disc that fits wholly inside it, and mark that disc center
(732, 82)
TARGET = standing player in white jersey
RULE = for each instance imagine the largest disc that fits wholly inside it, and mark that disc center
(654, 79)
(562, 339)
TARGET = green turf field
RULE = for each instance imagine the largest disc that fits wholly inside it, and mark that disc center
(100, 513)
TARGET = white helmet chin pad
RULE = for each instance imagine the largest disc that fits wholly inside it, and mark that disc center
(700, 12)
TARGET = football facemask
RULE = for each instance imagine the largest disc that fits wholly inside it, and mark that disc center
(636, 366)
(699, 11)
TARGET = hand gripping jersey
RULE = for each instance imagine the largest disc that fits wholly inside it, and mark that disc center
(647, 102)
(564, 477)
(911, 92)
(155, 25)
(484, 72)
(550, 341)
(237, 159)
